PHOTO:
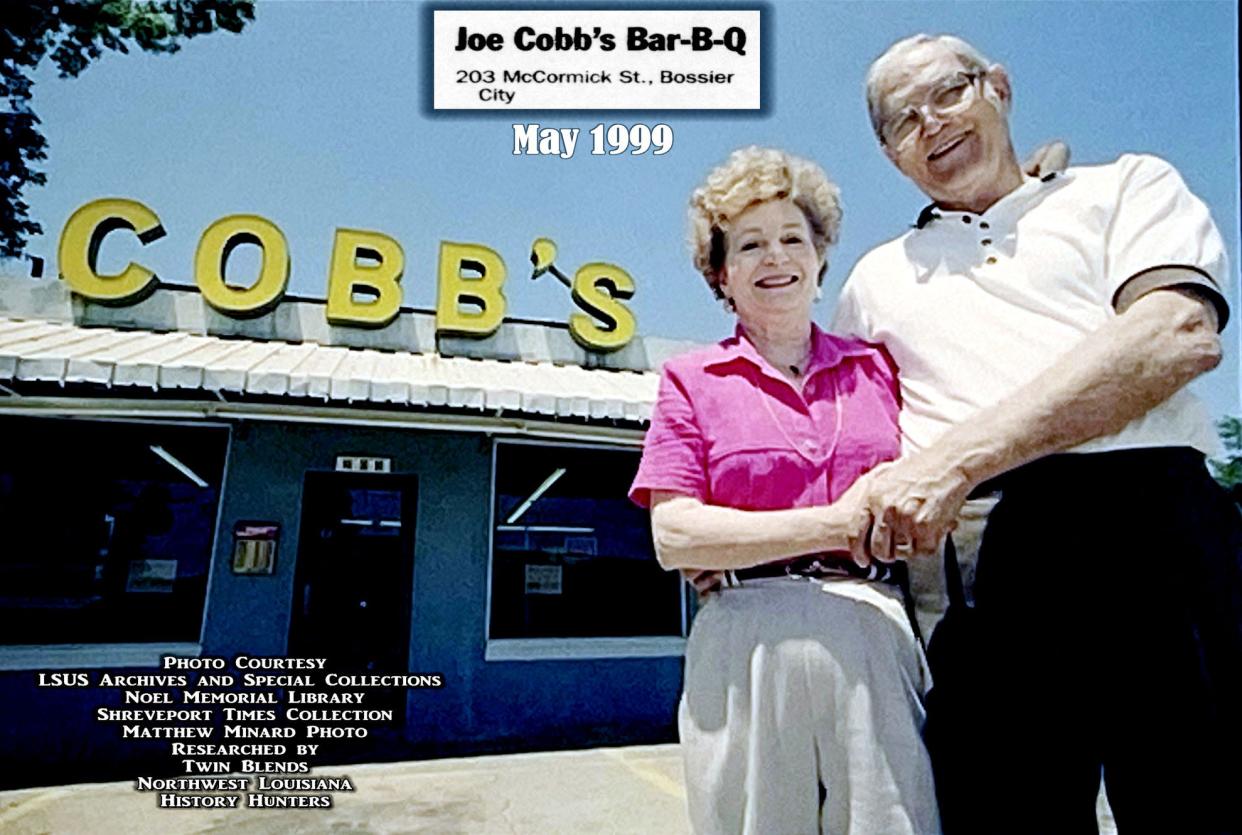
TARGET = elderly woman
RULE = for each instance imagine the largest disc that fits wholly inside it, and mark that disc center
(802, 707)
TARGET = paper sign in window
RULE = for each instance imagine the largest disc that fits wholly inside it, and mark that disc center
(254, 547)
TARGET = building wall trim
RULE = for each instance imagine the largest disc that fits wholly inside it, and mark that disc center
(128, 409)
(574, 649)
(77, 656)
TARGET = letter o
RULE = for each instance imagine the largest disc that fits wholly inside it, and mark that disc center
(218, 242)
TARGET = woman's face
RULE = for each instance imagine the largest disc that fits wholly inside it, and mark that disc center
(771, 269)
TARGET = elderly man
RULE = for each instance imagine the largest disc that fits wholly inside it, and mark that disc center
(1045, 329)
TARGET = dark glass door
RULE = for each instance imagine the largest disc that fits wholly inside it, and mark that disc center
(351, 601)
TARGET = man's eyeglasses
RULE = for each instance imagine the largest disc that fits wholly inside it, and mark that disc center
(950, 96)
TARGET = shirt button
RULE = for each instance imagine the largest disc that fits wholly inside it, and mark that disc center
(983, 224)
(991, 259)
(965, 218)
(986, 242)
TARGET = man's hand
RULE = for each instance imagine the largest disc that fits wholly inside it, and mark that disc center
(1047, 158)
(704, 581)
(914, 503)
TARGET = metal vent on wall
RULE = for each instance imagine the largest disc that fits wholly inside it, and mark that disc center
(362, 464)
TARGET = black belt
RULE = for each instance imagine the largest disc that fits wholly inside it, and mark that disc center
(833, 565)
(825, 565)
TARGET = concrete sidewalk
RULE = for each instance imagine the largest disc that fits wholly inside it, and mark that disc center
(607, 790)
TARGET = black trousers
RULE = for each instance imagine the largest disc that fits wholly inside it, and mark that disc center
(1107, 638)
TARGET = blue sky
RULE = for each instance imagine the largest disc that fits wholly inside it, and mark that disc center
(314, 118)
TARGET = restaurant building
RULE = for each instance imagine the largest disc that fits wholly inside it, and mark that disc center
(182, 479)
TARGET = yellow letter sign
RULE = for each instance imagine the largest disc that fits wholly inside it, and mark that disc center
(218, 242)
(347, 277)
(484, 292)
(597, 288)
(78, 254)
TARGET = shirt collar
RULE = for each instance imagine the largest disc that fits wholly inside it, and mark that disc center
(1030, 186)
(827, 351)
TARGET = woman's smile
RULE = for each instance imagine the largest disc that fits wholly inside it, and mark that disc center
(777, 281)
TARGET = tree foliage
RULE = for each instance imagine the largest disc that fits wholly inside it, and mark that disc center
(1228, 471)
(73, 33)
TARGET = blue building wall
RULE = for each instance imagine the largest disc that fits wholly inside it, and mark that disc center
(483, 705)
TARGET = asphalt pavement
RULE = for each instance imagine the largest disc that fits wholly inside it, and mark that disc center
(606, 790)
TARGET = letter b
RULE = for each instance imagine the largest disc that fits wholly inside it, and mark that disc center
(380, 280)
(484, 292)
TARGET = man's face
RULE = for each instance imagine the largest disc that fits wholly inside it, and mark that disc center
(959, 143)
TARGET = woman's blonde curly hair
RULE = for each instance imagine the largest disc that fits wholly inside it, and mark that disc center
(752, 175)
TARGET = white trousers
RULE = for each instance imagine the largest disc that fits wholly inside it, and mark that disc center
(802, 713)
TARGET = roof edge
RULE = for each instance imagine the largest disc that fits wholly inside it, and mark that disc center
(183, 309)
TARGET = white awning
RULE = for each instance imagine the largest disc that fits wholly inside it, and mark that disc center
(40, 351)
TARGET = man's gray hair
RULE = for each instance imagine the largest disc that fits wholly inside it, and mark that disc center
(896, 55)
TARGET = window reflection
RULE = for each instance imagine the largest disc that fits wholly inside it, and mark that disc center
(571, 555)
(107, 530)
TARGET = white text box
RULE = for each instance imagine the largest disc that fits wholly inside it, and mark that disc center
(596, 60)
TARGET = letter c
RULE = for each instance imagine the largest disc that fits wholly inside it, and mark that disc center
(78, 253)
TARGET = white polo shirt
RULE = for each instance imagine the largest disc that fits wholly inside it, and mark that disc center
(972, 307)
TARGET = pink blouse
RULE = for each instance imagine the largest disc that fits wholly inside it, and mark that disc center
(731, 430)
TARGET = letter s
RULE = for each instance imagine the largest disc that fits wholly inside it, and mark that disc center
(598, 289)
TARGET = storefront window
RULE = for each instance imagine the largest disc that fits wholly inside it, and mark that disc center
(106, 530)
(572, 556)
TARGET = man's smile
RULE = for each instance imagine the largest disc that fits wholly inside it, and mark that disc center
(945, 147)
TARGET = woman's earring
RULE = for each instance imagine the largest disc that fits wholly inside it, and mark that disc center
(728, 305)
(819, 292)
